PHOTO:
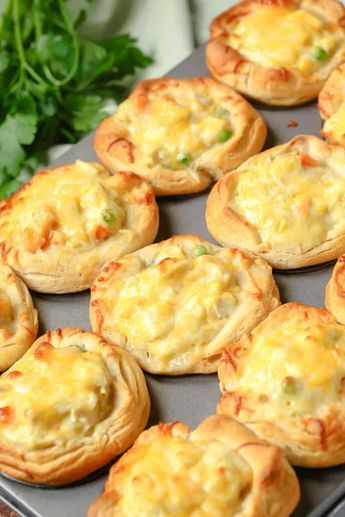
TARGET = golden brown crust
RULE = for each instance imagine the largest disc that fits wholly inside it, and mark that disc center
(335, 291)
(18, 318)
(230, 228)
(276, 86)
(274, 489)
(61, 267)
(331, 97)
(198, 349)
(116, 150)
(308, 422)
(69, 457)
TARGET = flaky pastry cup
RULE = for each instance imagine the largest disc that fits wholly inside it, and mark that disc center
(278, 84)
(64, 224)
(174, 305)
(216, 150)
(71, 404)
(285, 381)
(284, 204)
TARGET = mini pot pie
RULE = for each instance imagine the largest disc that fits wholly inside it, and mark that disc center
(71, 404)
(285, 381)
(335, 291)
(332, 107)
(18, 318)
(279, 52)
(180, 134)
(286, 204)
(62, 226)
(174, 305)
(221, 468)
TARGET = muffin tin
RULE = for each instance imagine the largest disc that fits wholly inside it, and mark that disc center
(189, 398)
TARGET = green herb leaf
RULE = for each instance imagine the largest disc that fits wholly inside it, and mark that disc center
(85, 112)
(4, 60)
(80, 19)
(54, 84)
(17, 129)
(24, 118)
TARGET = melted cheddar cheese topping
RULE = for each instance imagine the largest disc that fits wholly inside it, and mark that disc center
(52, 396)
(172, 476)
(72, 208)
(177, 305)
(174, 131)
(277, 36)
(292, 204)
(297, 366)
(336, 124)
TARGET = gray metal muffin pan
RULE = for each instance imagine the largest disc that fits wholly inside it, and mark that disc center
(188, 398)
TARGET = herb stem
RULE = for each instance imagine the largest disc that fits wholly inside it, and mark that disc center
(37, 20)
(70, 29)
(18, 39)
(33, 74)
(24, 65)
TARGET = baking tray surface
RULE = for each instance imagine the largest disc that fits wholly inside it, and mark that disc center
(193, 397)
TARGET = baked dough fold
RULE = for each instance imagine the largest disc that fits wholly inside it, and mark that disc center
(220, 468)
(332, 107)
(18, 318)
(335, 291)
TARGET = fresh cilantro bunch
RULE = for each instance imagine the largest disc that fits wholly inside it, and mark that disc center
(54, 83)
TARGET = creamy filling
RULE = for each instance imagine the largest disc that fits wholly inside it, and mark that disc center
(74, 210)
(176, 302)
(54, 396)
(175, 132)
(275, 36)
(292, 204)
(296, 368)
(199, 479)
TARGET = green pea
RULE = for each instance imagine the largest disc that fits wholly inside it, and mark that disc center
(108, 216)
(199, 250)
(320, 54)
(184, 159)
(224, 135)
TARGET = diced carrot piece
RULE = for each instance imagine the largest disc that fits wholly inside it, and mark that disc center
(308, 161)
(5, 414)
(101, 232)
